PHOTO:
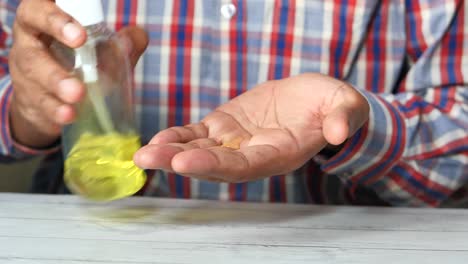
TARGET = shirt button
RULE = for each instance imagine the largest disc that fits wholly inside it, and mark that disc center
(228, 10)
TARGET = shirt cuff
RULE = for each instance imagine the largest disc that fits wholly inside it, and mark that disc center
(374, 149)
(8, 146)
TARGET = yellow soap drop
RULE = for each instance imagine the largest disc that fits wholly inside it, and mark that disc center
(101, 168)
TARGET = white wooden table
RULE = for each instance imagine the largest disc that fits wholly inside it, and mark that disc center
(67, 229)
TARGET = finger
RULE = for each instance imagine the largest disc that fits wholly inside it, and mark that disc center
(345, 120)
(44, 17)
(42, 134)
(336, 126)
(204, 143)
(59, 113)
(224, 164)
(156, 156)
(160, 156)
(135, 41)
(181, 134)
(37, 66)
(38, 101)
(43, 107)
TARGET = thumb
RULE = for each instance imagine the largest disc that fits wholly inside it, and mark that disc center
(135, 41)
(345, 120)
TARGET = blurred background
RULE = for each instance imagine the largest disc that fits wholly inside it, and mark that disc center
(17, 177)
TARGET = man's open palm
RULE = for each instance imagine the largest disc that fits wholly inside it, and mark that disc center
(272, 129)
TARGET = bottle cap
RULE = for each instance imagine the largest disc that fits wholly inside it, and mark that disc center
(86, 12)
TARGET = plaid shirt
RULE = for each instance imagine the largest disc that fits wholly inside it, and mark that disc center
(408, 57)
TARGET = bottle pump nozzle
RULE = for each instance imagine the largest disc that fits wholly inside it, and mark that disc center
(86, 12)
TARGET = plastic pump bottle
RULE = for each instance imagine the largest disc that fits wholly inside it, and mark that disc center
(98, 147)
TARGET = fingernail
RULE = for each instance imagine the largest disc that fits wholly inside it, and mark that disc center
(71, 31)
(70, 90)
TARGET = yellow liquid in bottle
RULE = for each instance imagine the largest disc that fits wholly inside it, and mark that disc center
(101, 168)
